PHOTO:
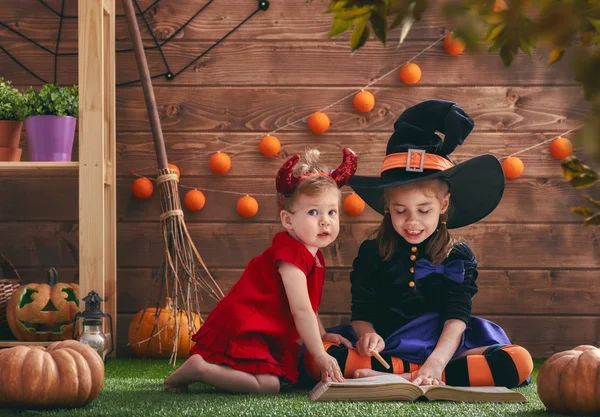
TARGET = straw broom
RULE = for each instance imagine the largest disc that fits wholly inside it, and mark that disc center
(179, 278)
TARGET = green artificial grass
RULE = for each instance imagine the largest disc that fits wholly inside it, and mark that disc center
(133, 387)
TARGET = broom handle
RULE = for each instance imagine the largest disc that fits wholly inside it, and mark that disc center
(140, 57)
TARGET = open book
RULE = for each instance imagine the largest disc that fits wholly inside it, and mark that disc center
(395, 388)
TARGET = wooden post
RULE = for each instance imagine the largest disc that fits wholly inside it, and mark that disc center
(97, 137)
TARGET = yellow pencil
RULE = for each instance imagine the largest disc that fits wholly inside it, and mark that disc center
(381, 360)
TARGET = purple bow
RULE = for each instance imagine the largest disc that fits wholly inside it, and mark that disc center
(454, 270)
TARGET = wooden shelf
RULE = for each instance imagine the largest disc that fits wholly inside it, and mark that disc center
(13, 343)
(42, 166)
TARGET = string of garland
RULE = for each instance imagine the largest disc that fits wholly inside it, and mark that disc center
(318, 123)
(263, 5)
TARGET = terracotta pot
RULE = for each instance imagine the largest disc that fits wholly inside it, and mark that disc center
(10, 133)
(10, 154)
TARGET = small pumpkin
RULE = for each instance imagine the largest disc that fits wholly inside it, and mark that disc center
(155, 336)
(43, 312)
(568, 381)
(65, 374)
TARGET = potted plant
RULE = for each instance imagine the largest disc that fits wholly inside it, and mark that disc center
(11, 121)
(50, 119)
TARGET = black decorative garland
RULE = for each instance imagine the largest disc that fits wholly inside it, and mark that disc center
(168, 74)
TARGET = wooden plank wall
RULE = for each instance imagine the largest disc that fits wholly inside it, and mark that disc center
(539, 265)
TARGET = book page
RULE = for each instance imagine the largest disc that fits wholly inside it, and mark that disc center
(371, 380)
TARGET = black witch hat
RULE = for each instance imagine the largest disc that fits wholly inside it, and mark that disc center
(415, 152)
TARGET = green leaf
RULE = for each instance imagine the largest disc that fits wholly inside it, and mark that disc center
(379, 26)
(582, 210)
(507, 54)
(360, 34)
(354, 13)
(340, 26)
(336, 6)
(556, 55)
(573, 167)
(525, 47)
(583, 181)
(591, 200)
(593, 220)
(494, 32)
(596, 23)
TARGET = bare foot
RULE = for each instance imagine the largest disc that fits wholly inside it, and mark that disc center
(177, 389)
(363, 373)
(191, 371)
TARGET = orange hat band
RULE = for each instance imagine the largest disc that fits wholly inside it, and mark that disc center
(415, 160)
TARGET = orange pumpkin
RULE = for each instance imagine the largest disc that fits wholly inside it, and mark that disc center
(176, 169)
(65, 374)
(568, 381)
(142, 188)
(560, 148)
(354, 205)
(155, 336)
(318, 123)
(194, 200)
(364, 101)
(220, 163)
(247, 206)
(43, 312)
(269, 146)
(513, 167)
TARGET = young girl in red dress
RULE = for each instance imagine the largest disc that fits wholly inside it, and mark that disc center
(250, 339)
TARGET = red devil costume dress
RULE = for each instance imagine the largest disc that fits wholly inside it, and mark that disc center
(252, 328)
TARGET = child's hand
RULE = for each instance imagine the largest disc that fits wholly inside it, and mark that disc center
(337, 339)
(430, 373)
(368, 343)
(329, 367)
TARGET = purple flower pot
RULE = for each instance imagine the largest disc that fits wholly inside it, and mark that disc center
(50, 138)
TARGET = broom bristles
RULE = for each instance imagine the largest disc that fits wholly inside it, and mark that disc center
(180, 278)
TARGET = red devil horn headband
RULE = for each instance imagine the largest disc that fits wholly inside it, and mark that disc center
(286, 182)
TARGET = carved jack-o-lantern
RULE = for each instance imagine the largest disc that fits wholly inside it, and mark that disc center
(43, 312)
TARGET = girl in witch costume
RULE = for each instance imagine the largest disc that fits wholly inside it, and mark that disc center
(412, 283)
(249, 340)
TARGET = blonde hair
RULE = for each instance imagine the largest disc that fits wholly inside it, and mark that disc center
(388, 239)
(310, 185)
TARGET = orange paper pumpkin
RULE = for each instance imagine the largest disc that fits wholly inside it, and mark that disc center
(194, 200)
(364, 101)
(142, 188)
(561, 148)
(568, 381)
(318, 123)
(176, 169)
(452, 45)
(269, 146)
(354, 205)
(513, 167)
(158, 342)
(247, 206)
(410, 73)
(220, 163)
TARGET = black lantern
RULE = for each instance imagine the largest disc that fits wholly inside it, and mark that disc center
(92, 334)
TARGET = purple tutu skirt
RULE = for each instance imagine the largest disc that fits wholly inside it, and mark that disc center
(416, 340)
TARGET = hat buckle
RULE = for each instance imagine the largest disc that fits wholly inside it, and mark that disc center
(420, 152)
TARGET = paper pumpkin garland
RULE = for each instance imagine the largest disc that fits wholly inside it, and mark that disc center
(176, 169)
(354, 205)
(452, 45)
(410, 73)
(142, 188)
(247, 206)
(560, 148)
(364, 101)
(318, 123)
(513, 167)
(220, 163)
(194, 200)
(269, 146)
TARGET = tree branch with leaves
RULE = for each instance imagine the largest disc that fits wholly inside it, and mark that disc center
(508, 27)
